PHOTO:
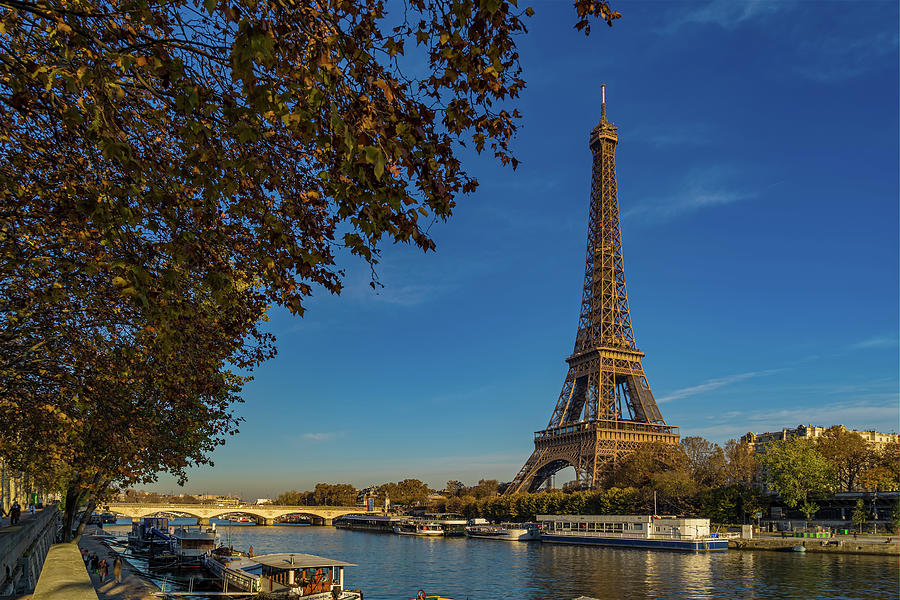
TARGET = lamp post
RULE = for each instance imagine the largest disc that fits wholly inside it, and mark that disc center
(875, 512)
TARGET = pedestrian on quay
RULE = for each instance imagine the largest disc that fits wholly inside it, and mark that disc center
(103, 568)
(15, 511)
(117, 569)
(84, 556)
(95, 562)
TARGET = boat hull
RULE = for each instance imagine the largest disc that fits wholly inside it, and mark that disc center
(504, 535)
(702, 545)
(429, 533)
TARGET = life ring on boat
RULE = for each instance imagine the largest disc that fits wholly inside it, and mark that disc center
(420, 595)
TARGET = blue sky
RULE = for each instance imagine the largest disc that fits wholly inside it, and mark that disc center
(758, 183)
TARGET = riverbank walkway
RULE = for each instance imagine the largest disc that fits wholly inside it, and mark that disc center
(133, 585)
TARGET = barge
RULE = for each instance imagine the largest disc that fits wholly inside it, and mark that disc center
(631, 531)
(379, 523)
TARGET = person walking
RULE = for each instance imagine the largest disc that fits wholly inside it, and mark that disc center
(117, 569)
(15, 511)
(95, 562)
(103, 569)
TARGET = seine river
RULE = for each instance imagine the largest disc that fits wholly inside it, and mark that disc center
(394, 567)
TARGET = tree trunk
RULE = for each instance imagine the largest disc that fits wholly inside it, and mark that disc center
(91, 505)
(73, 500)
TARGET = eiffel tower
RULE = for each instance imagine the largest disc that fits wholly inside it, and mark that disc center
(590, 426)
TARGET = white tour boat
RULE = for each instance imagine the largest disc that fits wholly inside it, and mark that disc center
(631, 531)
(415, 527)
(510, 532)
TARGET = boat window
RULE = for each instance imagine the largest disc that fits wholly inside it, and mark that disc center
(567, 525)
(617, 527)
(638, 526)
(592, 527)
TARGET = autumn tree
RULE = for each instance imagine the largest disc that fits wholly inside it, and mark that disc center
(883, 471)
(705, 460)
(741, 466)
(338, 494)
(849, 454)
(170, 170)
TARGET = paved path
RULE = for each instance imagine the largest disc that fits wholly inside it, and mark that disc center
(133, 586)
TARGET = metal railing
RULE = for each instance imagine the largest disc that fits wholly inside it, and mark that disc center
(608, 425)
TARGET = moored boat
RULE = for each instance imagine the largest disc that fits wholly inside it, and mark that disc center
(191, 543)
(416, 527)
(510, 532)
(149, 534)
(234, 573)
(631, 531)
(304, 576)
(382, 523)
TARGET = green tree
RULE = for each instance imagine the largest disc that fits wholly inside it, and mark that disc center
(291, 498)
(341, 494)
(454, 487)
(796, 471)
(859, 516)
(486, 488)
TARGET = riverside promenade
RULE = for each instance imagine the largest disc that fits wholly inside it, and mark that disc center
(133, 586)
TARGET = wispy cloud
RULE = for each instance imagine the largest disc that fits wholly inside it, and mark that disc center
(727, 14)
(884, 341)
(714, 384)
(860, 414)
(829, 60)
(320, 437)
(706, 188)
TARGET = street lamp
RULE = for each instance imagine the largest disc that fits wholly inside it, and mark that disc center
(875, 512)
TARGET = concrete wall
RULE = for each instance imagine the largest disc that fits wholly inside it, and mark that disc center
(817, 545)
(64, 576)
(23, 548)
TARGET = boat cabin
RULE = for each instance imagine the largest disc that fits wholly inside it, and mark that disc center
(630, 526)
(299, 575)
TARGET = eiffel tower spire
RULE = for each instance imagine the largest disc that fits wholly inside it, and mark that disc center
(606, 408)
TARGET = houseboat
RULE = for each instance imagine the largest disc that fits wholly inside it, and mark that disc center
(509, 532)
(631, 531)
(191, 543)
(304, 576)
(149, 534)
(234, 573)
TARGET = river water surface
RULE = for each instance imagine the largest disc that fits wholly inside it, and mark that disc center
(394, 567)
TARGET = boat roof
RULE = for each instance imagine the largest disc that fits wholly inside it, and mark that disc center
(294, 560)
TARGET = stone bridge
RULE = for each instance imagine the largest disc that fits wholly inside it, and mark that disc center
(263, 514)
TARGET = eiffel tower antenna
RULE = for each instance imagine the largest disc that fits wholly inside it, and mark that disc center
(606, 409)
(603, 102)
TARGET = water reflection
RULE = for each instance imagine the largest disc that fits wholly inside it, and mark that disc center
(392, 567)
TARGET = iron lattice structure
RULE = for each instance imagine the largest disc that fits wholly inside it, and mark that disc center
(606, 408)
